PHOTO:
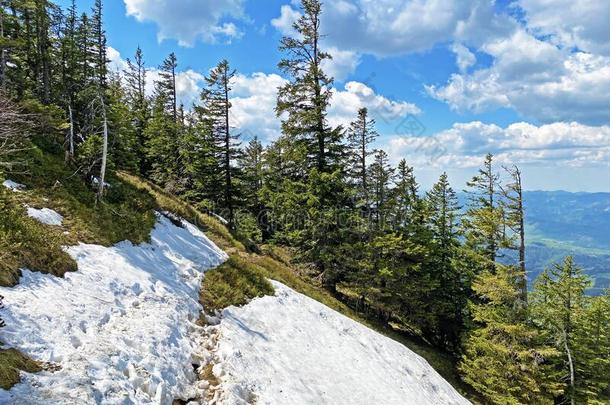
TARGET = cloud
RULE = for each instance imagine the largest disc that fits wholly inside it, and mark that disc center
(190, 20)
(464, 58)
(464, 145)
(579, 24)
(342, 64)
(254, 99)
(116, 62)
(344, 105)
(536, 78)
(395, 27)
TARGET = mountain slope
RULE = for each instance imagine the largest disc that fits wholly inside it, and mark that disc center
(290, 349)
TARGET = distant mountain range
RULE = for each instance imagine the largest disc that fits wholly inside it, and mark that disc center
(559, 223)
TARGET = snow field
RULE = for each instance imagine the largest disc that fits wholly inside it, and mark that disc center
(290, 349)
(121, 328)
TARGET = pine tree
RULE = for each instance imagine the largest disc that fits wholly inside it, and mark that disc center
(135, 83)
(558, 306)
(216, 105)
(98, 42)
(306, 97)
(483, 222)
(361, 134)
(251, 164)
(505, 359)
(165, 87)
(408, 207)
(380, 175)
(446, 264)
(514, 214)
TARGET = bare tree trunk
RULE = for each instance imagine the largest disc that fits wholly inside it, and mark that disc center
(2, 53)
(70, 146)
(571, 365)
(102, 179)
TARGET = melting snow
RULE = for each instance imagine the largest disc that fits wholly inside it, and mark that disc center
(121, 328)
(46, 216)
(13, 186)
(290, 349)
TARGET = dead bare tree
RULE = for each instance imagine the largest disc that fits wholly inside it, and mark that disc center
(14, 133)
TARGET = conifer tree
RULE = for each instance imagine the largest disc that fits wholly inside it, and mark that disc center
(135, 83)
(451, 296)
(251, 164)
(558, 305)
(165, 87)
(216, 106)
(514, 214)
(305, 98)
(483, 222)
(380, 176)
(505, 359)
(98, 48)
(361, 134)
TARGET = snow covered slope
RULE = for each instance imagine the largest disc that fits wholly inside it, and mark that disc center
(121, 327)
(290, 349)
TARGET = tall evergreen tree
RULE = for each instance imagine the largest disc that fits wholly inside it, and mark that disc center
(514, 214)
(135, 83)
(216, 104)
(558, 305)
(165, 87)
(505, 359)
(483, 222)
(306, 97)
(380, 177)
(361, 134)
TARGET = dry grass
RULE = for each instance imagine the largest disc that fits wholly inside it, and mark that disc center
(11, 362)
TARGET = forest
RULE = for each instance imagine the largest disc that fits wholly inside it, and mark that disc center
(361, 227)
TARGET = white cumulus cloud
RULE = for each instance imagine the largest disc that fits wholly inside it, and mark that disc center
(190, 20)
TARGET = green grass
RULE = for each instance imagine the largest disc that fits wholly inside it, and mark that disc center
(125, 214)
(11, 362)
(235, 282)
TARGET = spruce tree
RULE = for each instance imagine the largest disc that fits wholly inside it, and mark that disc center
(514, 215)
(304, 100)
(380, 177)
(216, 104)
(505, 359)
(361, 134)
(559, 305)
(135, 84)
(483, 222)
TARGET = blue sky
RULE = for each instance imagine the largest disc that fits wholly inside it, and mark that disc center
(528, 80)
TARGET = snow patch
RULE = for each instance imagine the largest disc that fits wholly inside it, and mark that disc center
(46, 216)
(13, 186)
(122, 328)
(290, 349)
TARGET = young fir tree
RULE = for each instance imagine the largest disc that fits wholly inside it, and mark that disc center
(98, 49)
(514, 214)
(163, 132)
(361, 134)
(216, 105)
(135, 88)
(166, 86)
(592, 336)
(408, 208)
(452, 293)
(483, 222)
(304, 100)
(559, 306)
(251, 164)
(504, 358)
(380, 176)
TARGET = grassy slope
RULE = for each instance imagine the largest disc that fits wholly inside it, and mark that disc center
(127, 214)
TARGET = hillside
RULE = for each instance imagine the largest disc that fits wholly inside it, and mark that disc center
(118, 316)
